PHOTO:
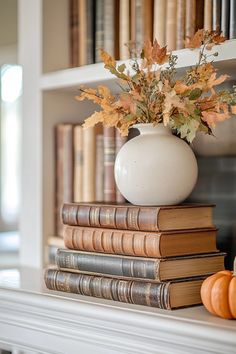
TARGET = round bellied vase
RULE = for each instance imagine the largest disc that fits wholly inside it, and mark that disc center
(155, 167)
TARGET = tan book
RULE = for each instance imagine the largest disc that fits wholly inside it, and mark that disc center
(165, 295)
(78, 163)
(159, 22)
(171, 19)
(140, 218)
(190, 18)
(89, 164)
(64, 171)
(124, 28)
(199, 15)
(140, 243)
(161, 269)
(180, 24)
(208, 15)
(109, 26)
(82, 48)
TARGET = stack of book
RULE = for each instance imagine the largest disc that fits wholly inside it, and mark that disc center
(153, 256)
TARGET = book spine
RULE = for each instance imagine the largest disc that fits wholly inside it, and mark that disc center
(99, 168)
(171, 19)
(120, 141)
(232, 22)
(90, 15)
(109, 264)
(159, 25)
(147, 16)
(109, 161)
(99, 29)
(225, 8)
(82, 33)
(124, 29)
(125, 218)
(89, 165)
(208, 15)
(112, 241)
(199, 15)
(109, 26)
(134, 292)
(216, 15)
(180, 25)
(64, 170)
(190, 18)
(78, 163)
(73, 32)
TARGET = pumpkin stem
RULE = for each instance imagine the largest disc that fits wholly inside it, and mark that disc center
(235, 266)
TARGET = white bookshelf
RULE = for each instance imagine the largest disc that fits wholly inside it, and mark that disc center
(49, 90)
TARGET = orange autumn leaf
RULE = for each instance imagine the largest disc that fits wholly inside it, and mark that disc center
(108, 60)
(213, 81)
(181, 87)
(233, 109)
(196, 40)
(159, 54)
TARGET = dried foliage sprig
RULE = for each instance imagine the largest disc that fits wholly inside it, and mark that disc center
(152, 93)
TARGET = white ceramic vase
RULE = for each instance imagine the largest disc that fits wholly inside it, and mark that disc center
(156, 167)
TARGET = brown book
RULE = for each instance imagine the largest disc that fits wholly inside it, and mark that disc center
(64, 171)
(199, 14)
(109, 27)
(147, 15)
(82, 48)
(142, 218)
(138, 267)
(141, 21)
(180, 24)
(159, 22)
(190, 18)
(164, 295)
(109, 161)
(99, 29)
(225, 15)
(171, 21)
(139, 243)
(216, 15)
(208, 15)
(74, 38)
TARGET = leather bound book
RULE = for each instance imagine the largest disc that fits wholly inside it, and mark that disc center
(99, 29)
(124, 28)
(140, 218)
(82, 33)
(225, 8)
(164, 295)
(64, 171)
(138, 267)
(159, 22)
(73, 32)
(190, 18)
(147, 15)
(208, 15)
(216, 15)
(140, 243)
(171, 20)
(78, 164)
(232, 21)
(120, 141)
(137, 22)
(109, 161)
(180, 24)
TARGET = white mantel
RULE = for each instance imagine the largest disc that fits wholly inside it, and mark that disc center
(35, 320)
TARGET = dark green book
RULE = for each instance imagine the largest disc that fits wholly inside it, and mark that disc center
(157, 269)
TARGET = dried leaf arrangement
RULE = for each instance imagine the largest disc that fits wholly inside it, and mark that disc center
(151, 92)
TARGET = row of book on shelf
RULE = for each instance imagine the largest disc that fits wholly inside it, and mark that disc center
(110, 24)
(85, 166)
(152, 256)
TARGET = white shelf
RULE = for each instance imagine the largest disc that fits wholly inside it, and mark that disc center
(96, 74)
(38, 320)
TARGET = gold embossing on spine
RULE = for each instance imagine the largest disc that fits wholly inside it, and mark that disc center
(133, 218)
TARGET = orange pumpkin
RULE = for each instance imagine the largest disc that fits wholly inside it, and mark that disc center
(218, 293)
